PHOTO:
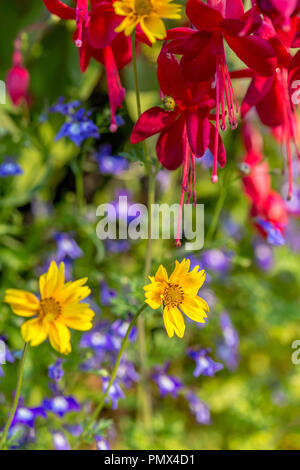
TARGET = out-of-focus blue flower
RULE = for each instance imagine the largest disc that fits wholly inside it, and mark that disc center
(61, 405)
(263, 255)
(199, 409)
(117, 246)
(79, 126)
(167, 384)
(108, 163)
(228, 348)
(56, 372)
(27, 416)
(205, 365)
(8, 356)
(10, 168)
(120, 327)
(231, 228)
(274, 235)
(107, 294)
(164, 179)
(60, 442)
(66, 247)
(74, 430)
(114, 394)
(216, 261)
(127, 373)
(292, 236)
(101, 443)
(97, 340)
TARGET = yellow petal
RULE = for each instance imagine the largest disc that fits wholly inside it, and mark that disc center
(161, 275)
(180, 270)
(77, 316)
(59, 337)
(22, 303)
(34, 331)
(176, 318)
(195, 308)
(153, 27)
(165, 10)
(168, 323)
(153, 294)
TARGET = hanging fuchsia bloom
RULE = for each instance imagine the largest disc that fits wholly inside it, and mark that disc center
(184, 123)
(280, 11)
(204, 55)
(18, 77)
(271, 98)
(268, 209)
(96, 38)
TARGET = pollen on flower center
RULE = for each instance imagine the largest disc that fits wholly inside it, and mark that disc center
(169, 103)
(143, 7)
(173, 295)
(50, 309)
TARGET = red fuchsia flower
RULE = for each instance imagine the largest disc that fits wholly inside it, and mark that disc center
(18, 78)
(96, 38)
(271, 97)
(268, 209)
(280, 11)
(204, 54)
(184, 126)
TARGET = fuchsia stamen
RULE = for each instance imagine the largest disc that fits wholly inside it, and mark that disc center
(82, 20)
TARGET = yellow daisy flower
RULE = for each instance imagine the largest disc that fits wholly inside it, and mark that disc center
(58, 309)
(148, 14)
(177, 294)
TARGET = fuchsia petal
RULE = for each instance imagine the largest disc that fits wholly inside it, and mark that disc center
(198, 63)
(170, 76)
(257, 90)
(171, 145)
(285, 7)
(202, 16)
(194, 126)
(270, 108)
(102, 27)
(56, 7)
(255, 52)
(116, 92)
(234, 9)
(151, 122)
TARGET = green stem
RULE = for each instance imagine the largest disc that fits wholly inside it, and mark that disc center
(79, 181)
(144, 397)
(98, 409)
(15, 400)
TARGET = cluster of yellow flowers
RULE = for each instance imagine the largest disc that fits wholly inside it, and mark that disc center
(60, 306)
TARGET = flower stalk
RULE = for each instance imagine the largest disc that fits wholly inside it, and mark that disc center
(16, 398)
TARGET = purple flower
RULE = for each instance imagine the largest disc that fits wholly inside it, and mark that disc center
(167, 384)
(56, 372)
(66, 247)
(117, 246)
(79, 126)
(204, 364)
(98, 340)
(199, 409)
(164, 179)
(61, 405)
(292, 236)
(60, 442)
(107, 294)
(127, 373)
(274, 235)
(10, 168)
(217, 261)
(120, 327)
(114, 394)
(101, 443)
(27, 416)
(263, 255)
(110, 164)
(228, 348)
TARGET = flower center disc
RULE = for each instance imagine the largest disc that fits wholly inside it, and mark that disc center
(49, 309)
(143, 7)
(173, 295)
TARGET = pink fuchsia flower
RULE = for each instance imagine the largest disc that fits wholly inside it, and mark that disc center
(96, 38)
(280, 11)
(18, 78)
(183, 125)
(204, 55)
